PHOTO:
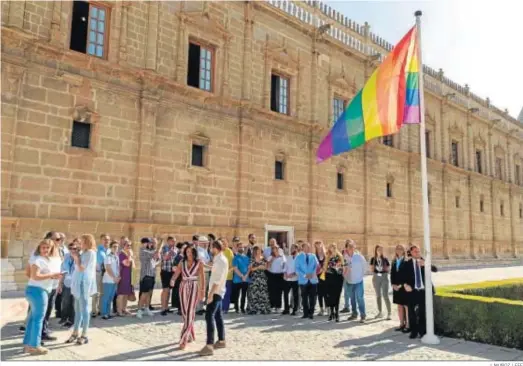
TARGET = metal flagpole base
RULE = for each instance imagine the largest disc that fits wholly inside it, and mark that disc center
(430, 339)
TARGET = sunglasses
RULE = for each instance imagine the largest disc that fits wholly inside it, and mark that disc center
(57, 239)
(73, 248)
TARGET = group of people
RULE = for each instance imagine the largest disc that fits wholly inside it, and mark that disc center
(206, 276)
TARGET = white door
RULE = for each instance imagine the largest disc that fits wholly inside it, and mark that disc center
(284, 235)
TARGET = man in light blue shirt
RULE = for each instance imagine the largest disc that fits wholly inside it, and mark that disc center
(355, 270)
(101, 251)
(64, 288)
(306, 265)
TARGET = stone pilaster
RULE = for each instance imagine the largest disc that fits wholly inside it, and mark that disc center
(152, 35)
(123, 33)
(55, 34)
(472, 249)
(181, 53)
(513, 218)
(145, 178)
(444, 185)
(16, 14)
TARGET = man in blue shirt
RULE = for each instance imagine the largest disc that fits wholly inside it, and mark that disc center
(64, 288)
(306, 264)
(101, 251)
(240, 279)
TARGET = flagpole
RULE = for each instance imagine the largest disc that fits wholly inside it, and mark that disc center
(429, 337)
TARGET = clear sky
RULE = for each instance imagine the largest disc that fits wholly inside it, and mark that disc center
(479, 43)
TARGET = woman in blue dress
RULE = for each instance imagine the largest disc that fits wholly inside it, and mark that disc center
(83, 286)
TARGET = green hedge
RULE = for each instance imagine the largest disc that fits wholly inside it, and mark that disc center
(510, 292)
(460, 313)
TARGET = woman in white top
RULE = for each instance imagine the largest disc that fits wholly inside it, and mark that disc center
(37, 294)
(83, 286)
(110, 279)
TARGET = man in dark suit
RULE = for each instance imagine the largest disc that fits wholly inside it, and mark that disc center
(413, 274)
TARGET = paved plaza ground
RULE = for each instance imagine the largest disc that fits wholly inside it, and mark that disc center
(270, 337)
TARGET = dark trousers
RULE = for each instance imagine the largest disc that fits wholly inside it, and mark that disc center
(213, 313)
(239, 289)
(321, 293)
(308, 298)
(275, 284)
(67, 305)
(175, 294)
(115, 308)
(45, 328)
(417, 322)
(289, 286)
(58, 305)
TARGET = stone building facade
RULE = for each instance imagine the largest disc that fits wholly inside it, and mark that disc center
(106, 135)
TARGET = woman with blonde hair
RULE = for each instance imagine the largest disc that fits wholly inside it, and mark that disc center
(332, 272)
(399, 295)
(83, 286)
(319, 251)
(380, 266)
(42, 276)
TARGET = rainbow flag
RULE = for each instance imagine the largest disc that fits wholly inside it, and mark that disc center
(389, 99)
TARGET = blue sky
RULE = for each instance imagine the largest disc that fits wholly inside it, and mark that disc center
(479, 43)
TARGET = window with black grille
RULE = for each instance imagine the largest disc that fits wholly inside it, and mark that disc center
(279, 170)
(387, 140)
(454, 157)
(481, 206)
(340, 181)
(81, 135)
(502, 209)
(197, 155)
(479, 168)
(389, 190)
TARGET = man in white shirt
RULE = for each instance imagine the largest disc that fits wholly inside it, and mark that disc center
(275, 281)
(267, 252)
(217, 289)
(353, 273)
(291, 282)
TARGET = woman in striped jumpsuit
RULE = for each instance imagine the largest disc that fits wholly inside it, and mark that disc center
(192, 290)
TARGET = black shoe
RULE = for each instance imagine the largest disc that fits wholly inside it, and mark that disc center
(62, 321)
(345, 310)
(413, 335)
(311, 317)
(169, 311)
(106, 317)
(337, 318)
(47, 337)
(243, 311)
(22, 328)
(293, 313)
(285, 312)
(151, 308)
(67, 325)
(42, 344)
(406, 330)
(304, 316)
(331, 317)
(179, 312)
(400, 329)
(93, 315)
(58, 315)
(163, 313)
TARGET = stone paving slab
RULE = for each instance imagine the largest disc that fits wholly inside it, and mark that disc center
(264, 337)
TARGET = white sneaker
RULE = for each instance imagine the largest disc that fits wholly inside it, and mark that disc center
(139, 314)
(379, 315)
(148, 312)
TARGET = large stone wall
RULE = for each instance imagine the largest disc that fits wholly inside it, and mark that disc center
(136, 179)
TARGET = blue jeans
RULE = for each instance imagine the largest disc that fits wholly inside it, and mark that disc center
(38, 299)
(346, 294)
(356, 296)
(226, 302)
(107, 298)
(81, 312)
(213, 313)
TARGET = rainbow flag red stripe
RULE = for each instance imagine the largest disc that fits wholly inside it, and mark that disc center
(389, 99)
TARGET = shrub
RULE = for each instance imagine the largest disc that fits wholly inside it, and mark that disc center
(460, 313)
